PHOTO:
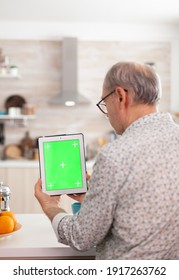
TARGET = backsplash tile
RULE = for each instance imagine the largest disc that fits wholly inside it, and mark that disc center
(39, 64)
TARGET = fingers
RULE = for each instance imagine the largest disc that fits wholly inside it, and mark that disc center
(39, 194)
(38, 187)
(38, 184)
(87, 176)
(42, 197)
(77, 197)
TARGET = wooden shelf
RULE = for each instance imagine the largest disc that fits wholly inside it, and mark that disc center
(9, 76)
(14, 120)
(17, 117)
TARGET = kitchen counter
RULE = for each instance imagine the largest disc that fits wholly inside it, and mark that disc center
(31, 164)
(19, 163)
(37, 240)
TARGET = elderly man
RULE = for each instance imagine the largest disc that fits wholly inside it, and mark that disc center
(131, 210)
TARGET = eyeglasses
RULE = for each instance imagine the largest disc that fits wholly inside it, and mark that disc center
(101, 104)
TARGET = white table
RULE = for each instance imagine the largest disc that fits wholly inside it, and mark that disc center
(37, 240)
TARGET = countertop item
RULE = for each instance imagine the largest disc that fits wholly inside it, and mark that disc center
(37, 240)
(16, 229)
(13, 151)
(14, 101)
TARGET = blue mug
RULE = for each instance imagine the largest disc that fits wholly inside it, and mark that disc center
(75, 207)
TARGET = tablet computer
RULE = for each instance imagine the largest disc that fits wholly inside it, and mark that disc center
(62, 164)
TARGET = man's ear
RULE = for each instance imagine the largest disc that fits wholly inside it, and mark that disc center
(122, 97)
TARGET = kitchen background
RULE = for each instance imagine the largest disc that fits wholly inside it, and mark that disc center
(40, 70)
(31, 38)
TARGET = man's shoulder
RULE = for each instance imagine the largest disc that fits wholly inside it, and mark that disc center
(118, 148)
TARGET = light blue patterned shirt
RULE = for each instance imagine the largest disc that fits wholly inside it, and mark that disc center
(131, 210)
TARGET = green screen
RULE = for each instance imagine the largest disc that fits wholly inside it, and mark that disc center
(62, 165)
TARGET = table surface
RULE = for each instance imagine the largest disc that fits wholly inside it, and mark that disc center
(37, 240)
(33, 164)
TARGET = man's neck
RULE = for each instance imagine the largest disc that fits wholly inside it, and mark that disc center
(139, 111)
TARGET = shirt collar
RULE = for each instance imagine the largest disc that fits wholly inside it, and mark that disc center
(149, 119)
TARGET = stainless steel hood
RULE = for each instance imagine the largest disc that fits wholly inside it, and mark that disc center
(69, 95)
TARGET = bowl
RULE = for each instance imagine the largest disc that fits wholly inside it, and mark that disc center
(16, 229)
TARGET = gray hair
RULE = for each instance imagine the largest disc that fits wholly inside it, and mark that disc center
(138, 79)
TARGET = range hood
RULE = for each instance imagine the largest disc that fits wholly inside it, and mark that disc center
(69, 96)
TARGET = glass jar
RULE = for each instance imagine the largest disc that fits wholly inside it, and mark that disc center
(5, 194)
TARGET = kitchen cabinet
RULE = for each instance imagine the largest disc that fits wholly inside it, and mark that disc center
(21, 182)
(20, 177)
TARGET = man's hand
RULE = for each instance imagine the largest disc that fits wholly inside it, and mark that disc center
(48, 203)
(79, 197)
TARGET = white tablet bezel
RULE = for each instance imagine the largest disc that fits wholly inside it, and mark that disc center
(63, 137)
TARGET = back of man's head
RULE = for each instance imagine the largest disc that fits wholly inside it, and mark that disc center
(140, 80)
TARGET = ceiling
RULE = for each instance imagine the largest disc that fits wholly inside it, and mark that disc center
(99, 11)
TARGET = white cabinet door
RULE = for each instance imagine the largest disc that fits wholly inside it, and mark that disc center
(3, 177)
(21, 182)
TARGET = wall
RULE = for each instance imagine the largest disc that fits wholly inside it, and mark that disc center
(39, 64)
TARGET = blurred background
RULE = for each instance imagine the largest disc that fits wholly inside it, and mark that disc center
(31, 40)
